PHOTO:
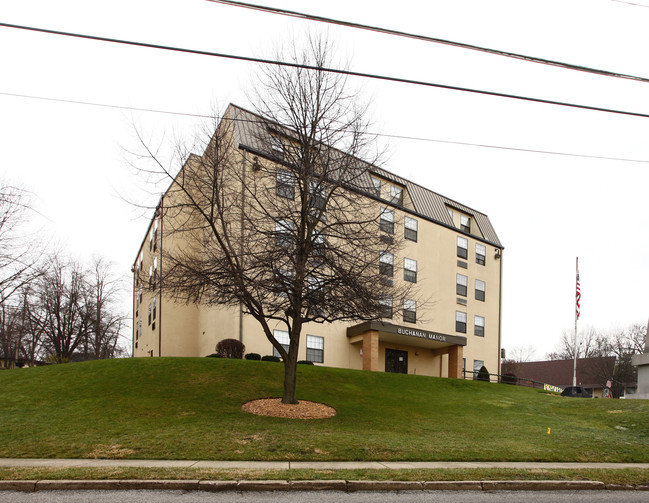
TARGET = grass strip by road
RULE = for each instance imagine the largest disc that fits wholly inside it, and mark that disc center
(630, 476)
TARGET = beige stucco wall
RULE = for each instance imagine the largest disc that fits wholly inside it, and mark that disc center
(190, 330)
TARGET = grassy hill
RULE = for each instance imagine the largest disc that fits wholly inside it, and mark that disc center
(190, 408)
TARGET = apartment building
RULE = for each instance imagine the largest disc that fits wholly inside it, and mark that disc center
(448, 251)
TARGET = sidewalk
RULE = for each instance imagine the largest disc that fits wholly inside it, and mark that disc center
(300, 465)
(307, 485)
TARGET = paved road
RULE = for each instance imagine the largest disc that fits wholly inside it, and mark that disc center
(325, 497)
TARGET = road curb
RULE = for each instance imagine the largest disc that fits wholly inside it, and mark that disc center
(542, 485)
(314, 485)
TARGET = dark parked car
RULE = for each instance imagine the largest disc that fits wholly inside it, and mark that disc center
(577, 392)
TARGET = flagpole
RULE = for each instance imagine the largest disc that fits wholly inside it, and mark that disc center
(577, 297)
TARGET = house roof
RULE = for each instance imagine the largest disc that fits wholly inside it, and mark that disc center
(591, 372)
(427, 203)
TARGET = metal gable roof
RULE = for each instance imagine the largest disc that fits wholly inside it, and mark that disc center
(427, 203)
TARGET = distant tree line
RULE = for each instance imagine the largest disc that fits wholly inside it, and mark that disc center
(52, 308)
(599, 347)
(622, 343)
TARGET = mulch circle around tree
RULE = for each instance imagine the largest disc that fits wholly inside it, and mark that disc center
(301, 410)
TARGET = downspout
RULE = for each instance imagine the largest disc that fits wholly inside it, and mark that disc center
(161, 206)
(500, 309)
(243, 199)
(134, 300)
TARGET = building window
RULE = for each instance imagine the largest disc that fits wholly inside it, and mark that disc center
(460, 322)
(315, 349)
(283, 282)
(477, 365)
(396, 195)
(141, 262)
(450, 213)
(154, 309)
(319, 248)
(465, 223)
(461, 283)
(410, 270)
(478, 325)
(277, 146)
(317, 194)
(386, 306)
(284, 233)
(140, 295)
(376, 186)
(150, 276)
(462, 247)
(315, 290)
(282, 337)
(409, 310)
(149, 314)
(155, 270)
(285, 184)
(386, 264)
(479, 289)
(387, 220)
(480, 254)
(410, 230)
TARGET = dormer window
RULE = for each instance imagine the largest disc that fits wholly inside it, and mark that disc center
(465, 223)
(277, 146)
(375, 189)
(396, 195)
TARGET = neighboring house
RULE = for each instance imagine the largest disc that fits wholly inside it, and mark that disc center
(592, 373)
(449, 250)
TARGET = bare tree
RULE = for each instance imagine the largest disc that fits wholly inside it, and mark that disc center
(600, 347)
(60, 313)
(18, 267)
(105, 322)
(284, 230)
(587, 345)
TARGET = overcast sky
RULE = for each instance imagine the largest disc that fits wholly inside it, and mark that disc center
(547, 209)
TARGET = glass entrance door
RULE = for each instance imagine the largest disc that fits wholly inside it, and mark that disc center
(396, 361)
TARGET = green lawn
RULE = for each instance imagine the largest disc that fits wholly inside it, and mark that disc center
(189, 408)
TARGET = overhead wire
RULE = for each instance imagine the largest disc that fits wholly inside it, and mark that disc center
(326, 69)
(382, 135)
(425, 38)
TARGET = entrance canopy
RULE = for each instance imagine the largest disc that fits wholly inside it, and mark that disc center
(371, 332)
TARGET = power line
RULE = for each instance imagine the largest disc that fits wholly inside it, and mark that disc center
(388, 31)
(328, 70)
(383, 135)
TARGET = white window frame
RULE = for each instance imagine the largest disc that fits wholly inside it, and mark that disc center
(376, 185)
(410, 270)
(283, 338)
(478, 322)
(460, 317)
(396, 194)
(410, 306)
(410, 228)
(462, 244)
(285, 183)
(388, 303)
(461, 281)
(480, 286)
(387, 215)
(315, 344)
(465, 223)
(480, 252)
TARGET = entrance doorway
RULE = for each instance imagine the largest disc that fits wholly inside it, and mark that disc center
(396, 361)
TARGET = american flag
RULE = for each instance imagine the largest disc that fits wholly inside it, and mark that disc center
(577, 297)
